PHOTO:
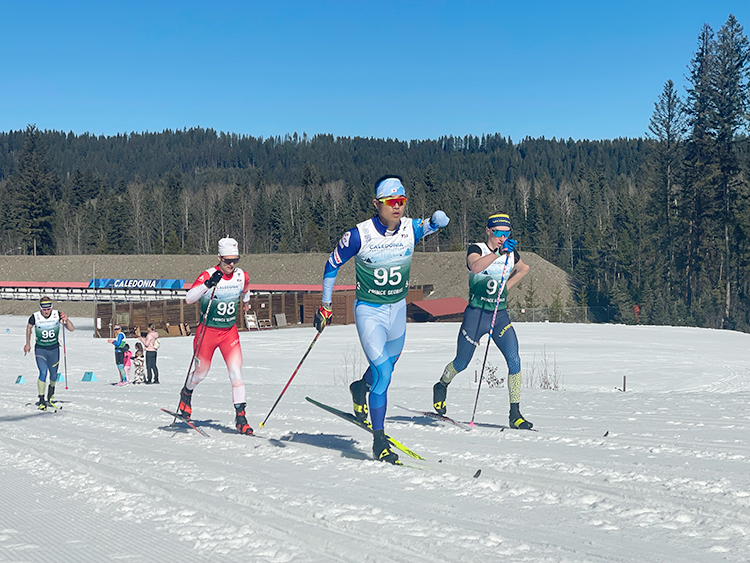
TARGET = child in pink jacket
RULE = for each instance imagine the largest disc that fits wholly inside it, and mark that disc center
(128, 358)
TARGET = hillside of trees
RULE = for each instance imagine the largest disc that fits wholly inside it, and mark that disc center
(662, 222)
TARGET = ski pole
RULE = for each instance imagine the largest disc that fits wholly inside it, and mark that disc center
(489, 338)
(65, 357)
(197, 344)
(262, 424)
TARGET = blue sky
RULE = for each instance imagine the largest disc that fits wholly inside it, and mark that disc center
(406, 70)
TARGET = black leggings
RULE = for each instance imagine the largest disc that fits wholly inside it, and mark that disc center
(151, 367)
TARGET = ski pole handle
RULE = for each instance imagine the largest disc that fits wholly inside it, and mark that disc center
(65, 357)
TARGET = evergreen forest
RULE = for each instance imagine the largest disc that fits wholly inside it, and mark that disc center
(661, 222)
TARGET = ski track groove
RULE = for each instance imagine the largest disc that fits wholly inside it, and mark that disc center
(616, 496)
(208, 504)
(577, 490)
(140, 486)
(218, 507)
(665, 485)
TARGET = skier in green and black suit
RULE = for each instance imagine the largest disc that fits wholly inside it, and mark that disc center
(46, 324)
(493, 266)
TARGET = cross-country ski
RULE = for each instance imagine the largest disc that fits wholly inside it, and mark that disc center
(438, 417)
(187, 421)
(364, 425)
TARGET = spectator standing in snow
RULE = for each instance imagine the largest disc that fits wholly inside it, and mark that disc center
(119, 343)
(151, 343)
(127, 357)
(138, 363)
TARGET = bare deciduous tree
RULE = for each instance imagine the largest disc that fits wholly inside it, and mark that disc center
(524, 190)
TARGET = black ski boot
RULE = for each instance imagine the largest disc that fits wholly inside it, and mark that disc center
(241, 421)
(185, 409)
(50, 397)
(439, 393)
(516, 420)
(359, 391)
(381, 448)
(41, 403)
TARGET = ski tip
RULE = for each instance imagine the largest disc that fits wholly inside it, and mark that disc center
(478, 473)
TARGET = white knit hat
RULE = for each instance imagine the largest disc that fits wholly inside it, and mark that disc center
(228, 247)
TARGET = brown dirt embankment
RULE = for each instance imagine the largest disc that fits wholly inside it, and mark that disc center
(446, 271)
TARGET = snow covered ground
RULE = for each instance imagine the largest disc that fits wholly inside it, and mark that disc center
(659, 473)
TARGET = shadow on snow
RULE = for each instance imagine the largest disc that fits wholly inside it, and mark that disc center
(337, 442)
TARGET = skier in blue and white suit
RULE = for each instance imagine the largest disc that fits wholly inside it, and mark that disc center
(382, 248)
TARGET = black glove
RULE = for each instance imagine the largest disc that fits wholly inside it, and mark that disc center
(214, 279)
(323, 317)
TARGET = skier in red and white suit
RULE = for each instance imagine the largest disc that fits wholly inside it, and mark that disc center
(219, 290)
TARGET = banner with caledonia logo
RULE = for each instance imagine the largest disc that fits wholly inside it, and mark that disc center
(119, 283)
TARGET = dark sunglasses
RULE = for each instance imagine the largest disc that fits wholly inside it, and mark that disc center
(230, 260)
